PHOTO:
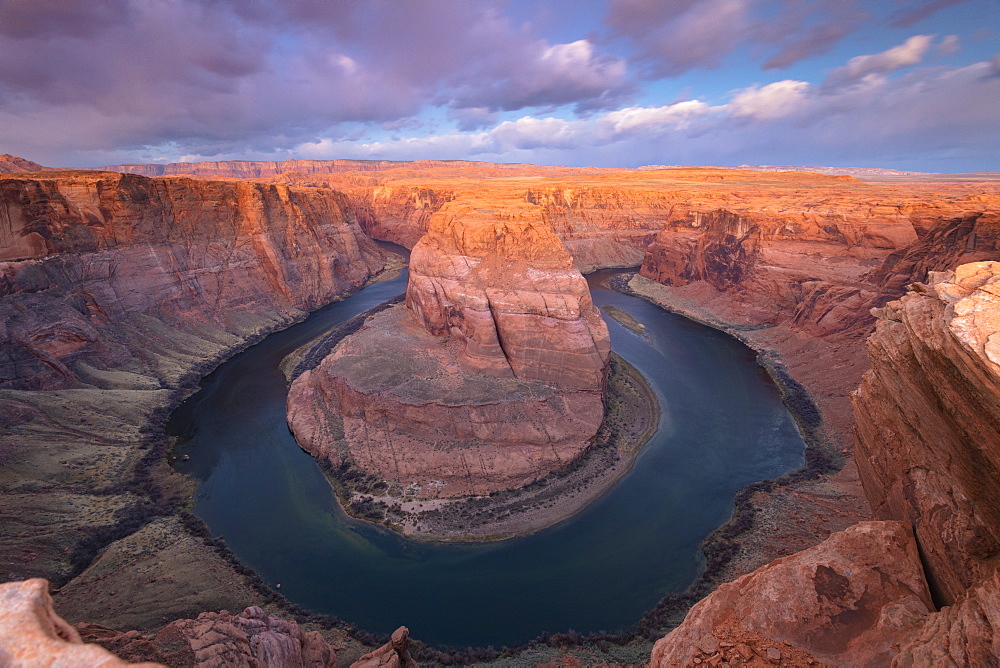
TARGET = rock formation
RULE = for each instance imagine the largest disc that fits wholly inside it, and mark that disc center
(928, 451)
(116, 290)
(490, 377)
(850, 601)
(220, 640)
(32, 634)
(928, 422)
(92, 256)
(393, 654)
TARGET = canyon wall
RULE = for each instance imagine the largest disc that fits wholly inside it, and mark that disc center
(928, 422)
(95, 263)
(491, 376)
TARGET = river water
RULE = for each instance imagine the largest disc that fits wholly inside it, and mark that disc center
(722, 427)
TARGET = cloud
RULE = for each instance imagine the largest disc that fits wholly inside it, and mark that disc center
(801, 31)
(909, 15)
(212, 75)
(950, 44)
(938, 118)
(671, 38)
(537, 74)
(907, 54)
(770, 102)
(677, 116)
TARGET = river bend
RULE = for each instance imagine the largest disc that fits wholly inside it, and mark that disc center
(722, 427)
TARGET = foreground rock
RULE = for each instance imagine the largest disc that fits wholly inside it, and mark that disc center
(850, 601)
(490, 377)
(928, 423)
(394, 654)
(219, 640)
(32, 634)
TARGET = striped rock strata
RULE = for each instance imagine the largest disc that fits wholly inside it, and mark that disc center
(490, 377)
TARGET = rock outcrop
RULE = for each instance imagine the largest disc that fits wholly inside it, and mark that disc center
(857, 599)
(493, 277)
(928, 423)
(12, 164)
(220, 640)
(490, 377)
(115, 293)
(393, 654)
(32, 634)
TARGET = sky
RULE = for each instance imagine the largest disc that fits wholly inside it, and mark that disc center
(901, 84)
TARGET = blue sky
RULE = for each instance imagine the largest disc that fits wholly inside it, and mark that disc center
(905, 84)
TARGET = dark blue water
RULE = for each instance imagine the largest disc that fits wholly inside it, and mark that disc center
(722, 427)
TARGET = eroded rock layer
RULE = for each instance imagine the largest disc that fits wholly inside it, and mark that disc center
(90, 257)
(32, 634)
(490, 377)
(220, 640)
(928, 422)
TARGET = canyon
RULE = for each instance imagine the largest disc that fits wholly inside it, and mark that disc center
(120, 290)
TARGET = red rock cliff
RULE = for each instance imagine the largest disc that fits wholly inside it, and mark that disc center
(928, 422)
(90, 255)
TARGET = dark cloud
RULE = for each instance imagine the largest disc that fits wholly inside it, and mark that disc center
(673, 37)
(803, 34)
(202, 74)
(918, 11)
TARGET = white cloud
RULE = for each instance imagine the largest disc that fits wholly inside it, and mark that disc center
(909, 53)
(678, 116)
(770, 102)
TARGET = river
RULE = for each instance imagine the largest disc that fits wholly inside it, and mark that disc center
(722, 427)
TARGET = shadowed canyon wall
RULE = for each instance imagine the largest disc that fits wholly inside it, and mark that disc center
(91, 257)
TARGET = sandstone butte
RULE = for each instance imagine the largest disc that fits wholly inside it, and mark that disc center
(491, 376)
(118, 290)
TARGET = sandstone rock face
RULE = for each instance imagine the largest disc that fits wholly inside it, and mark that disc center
(850, 601)
(721, 248)
(396, 402)
(964, 634)
(491, 376)
(114, 292)
(32, 634)
(928, 423)
(12, 164)
(495, 278)
(91, 257)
